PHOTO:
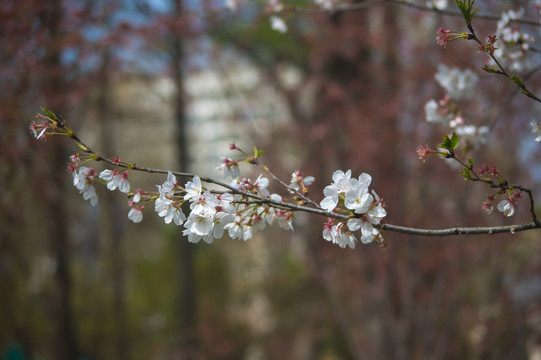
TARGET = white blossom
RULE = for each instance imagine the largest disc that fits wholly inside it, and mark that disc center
(170, 184)
(512, 45)
(116, 180)
(466, 130)
(166, 209)
(83, 177)
(325, 4)
(193, 188)
(434, 114)
(234, 228)
(201, 223)
(206, 202)
(376, 214)
(89, 193)
(230, 168)
(278, 24)
(507, 207)
(337, 235)
(536, 130)
(457, 83)
(246, 232)
(357, 197)
(137, 196)
(135, 215)
(437, 4)
(232, 5)
(331, 198)
(369, 232)
(261, 184)
(341, 183)
(285, 219)
(297, 178)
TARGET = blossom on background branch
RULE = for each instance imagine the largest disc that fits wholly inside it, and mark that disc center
(275, 9)
(505, 38)
(486, 174)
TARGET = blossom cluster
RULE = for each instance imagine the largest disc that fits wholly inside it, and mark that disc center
(458, 84)
(512, 45)
(212, 213)
(245, 207)
(366, 209)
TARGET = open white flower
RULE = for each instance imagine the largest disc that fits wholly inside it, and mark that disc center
(331, 198)
(261, 184)
(116, 180)
(357, 197)
(166, 209)
(193, 188)
(507, 207)
(341, 183)
(200, 223)
(170, 184)
(136, 214)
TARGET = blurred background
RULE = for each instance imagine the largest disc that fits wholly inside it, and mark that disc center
(169, 84)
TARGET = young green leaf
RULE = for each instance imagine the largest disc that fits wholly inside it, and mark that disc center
(466, 8)
(454, 140)
(49, 113)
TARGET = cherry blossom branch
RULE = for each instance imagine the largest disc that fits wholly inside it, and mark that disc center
(331, 214)
(364, 211)
(488, 175)
(471, 174)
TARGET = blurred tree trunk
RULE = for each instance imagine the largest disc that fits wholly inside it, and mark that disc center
(115, 214)
(54, 89)
(187, 275)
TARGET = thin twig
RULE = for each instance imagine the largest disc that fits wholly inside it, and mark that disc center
(277, 179)
(503, 71)
(418, 6)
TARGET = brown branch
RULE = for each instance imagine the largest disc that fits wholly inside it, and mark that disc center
(490, 230)
(422, 7)
(510, 229)
(317, 211)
